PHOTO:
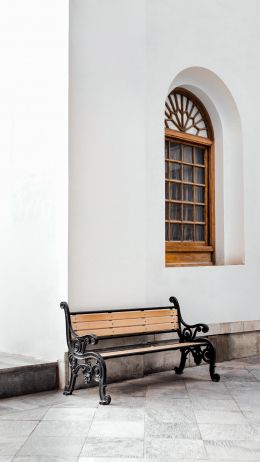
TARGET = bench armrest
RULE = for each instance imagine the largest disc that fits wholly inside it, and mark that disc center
(76, 343)
(188, 332)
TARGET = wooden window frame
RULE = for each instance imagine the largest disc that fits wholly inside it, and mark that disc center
(196, 253)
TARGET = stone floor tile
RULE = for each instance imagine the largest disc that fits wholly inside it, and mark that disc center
(44, 459)
(236, 374)
(127, 401)
(16, 428)
(228, 432)
(252, 416)
(174, 413)
(74, 414)
(155, 429)
(211, 390)
(10, 445)
(5, 458)
(62, 428)
(31, 414)
(109, 459)
(69, 446)
(110, 413)
(212, 417)
(113, 447)
(177, 449)
(119, 429)
(233, 450)
(214, 404)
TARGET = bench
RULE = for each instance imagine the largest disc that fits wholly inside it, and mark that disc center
(86, 328)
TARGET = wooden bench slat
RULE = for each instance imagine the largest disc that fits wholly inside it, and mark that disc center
(147, 349)
(123, 322)
(130, 329)
(123, 315)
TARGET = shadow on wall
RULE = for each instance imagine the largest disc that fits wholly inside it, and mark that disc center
(229, 186)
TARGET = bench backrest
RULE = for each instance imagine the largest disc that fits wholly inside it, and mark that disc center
(119, 323)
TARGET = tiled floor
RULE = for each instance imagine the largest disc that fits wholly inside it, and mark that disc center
(161, 417)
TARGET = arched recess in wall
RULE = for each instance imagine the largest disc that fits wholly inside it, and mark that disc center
(229, 186)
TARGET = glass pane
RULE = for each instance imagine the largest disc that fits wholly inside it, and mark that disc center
(199, 233)
(175, 232)
(187, 173)
(175, 151)
(199, 156)
(188, 232)
(175, 171)
(187, 192)
(187, 212)
(167, 190)
(199, 175)
(175, 191)
(187, 154)
(199, 194)
(175, 211)
(166, 231)
(166, 210)
(199, 213)
(166, 169)
(166, 148)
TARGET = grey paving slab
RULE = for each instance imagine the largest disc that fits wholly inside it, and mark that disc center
(5, 458)
(17, 428)
(10, 445)
(119, 429)
(44, 459)
(216, 417)
(110, 413)
(183, 430)
(62, 428)
(232, 432)
(31, 414)
(214, 404)
(74, 414)
(177, 412)
(233, 450)
(177, 448)
(113, 447)
(69, 446)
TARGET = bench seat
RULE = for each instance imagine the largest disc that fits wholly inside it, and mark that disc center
(87, 328)
(151, 348)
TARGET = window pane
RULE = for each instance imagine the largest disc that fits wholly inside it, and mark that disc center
(175, 211)
(199, 175)
(166, 210)
(175, 191)
(187, 192)
(188, 232)
(167, 190)
(175, 232)
(166, 149)
(199, 194)
(187, 154)
(199, 233)
(199, 156)
(175, 171)
(166, 231)
(199, 213)
(187, 173)
(166, 169)
(175, 151)
(187, 212)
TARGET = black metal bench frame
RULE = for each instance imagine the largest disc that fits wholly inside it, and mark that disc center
(93, 365)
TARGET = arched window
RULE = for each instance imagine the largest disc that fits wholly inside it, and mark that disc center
(189, 181)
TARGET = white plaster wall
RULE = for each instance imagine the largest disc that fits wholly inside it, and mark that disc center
(124, 55)
(33, 175)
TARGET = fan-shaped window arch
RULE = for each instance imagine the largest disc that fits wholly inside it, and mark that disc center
(189, 181)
